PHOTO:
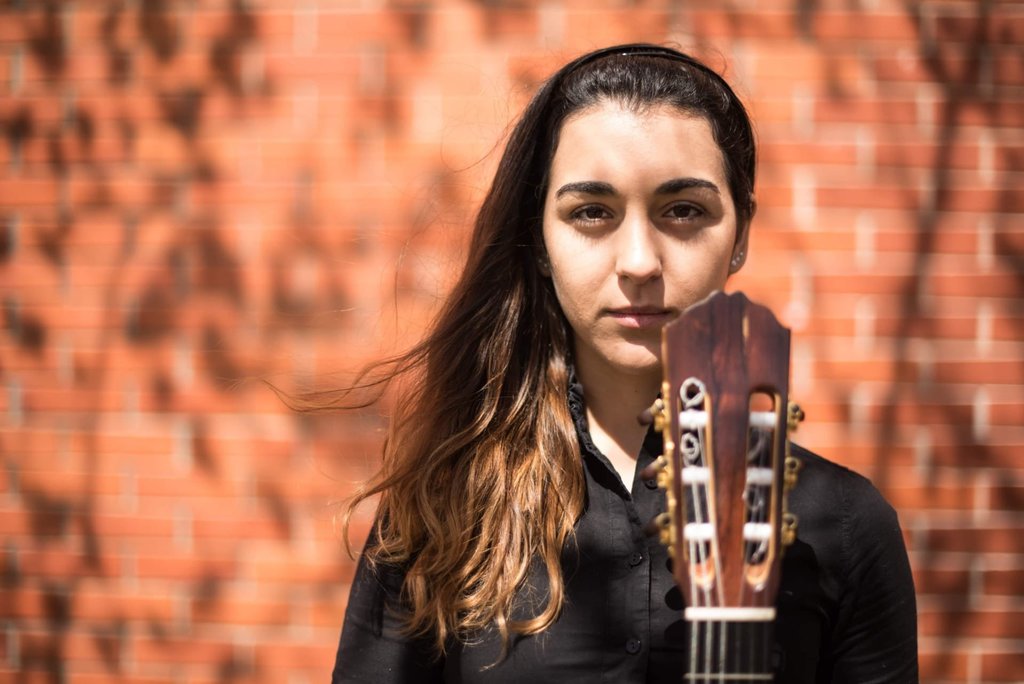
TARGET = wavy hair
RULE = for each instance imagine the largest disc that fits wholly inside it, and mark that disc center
(482, 473)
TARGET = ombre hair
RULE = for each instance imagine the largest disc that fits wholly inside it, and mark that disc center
(482, 473)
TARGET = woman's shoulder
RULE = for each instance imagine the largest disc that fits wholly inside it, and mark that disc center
(841, 512)
(849, 566)
(825, 483)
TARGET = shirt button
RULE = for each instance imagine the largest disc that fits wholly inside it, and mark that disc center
(636, 558)
(651, 483)
(633, 646)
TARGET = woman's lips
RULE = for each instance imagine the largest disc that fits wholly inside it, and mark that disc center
(641, 317)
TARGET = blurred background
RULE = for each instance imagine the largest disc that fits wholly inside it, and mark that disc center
(199, 195)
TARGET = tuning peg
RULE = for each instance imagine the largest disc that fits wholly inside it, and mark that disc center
(654, 525)
(655, 414)
(789, 525)
(660, 525)
(791, 472)
(654, 468)
(794, 416)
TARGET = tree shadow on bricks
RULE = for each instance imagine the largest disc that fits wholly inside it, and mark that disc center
(937, 539)
(964, 409)
(72, 575)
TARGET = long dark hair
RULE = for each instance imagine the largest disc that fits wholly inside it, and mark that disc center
(482, 471)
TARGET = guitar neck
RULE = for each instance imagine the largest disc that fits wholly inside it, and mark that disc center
(728, 651)
(725, 416)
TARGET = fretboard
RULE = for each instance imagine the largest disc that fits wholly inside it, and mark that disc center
(729, 651)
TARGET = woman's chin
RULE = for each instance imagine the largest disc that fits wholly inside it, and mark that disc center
(639, 362)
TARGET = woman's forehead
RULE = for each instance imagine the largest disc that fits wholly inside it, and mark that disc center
(613, 139)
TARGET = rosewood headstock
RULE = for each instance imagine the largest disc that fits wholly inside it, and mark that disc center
(724, 414)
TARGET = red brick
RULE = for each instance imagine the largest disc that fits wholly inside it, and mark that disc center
(770, 25)
(185, 568)
(63, 564)
(904, 198)
(142, 605)
(971, 623)
(954, 155)
(979, 372)
(789, 152)
(958, 29)
(858, 109)
(96, 648)
(242, 611)
(181, 649)
(833, 26)
(979, 540)
(242, 528)
(282, 657)
(989, 112)
(1007, 69)
(1006, 26)
(947, 665)
(1002, 666)
(1004, 582)
(933, 498)
(928, 581)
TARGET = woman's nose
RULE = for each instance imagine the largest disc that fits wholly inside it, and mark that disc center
(639, 256)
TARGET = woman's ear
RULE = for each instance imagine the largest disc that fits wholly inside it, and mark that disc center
(543, 265)
(739, 250)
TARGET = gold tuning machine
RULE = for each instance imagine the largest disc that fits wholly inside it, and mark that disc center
(659, 470)
(663, 524)
(794, 416)
(791, 472)
(655, 415)
(789, 524)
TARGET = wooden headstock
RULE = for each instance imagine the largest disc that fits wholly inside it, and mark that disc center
(724, 414)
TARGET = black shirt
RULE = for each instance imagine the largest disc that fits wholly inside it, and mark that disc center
(846, 609)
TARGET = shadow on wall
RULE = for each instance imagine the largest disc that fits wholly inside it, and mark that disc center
(965, 91)
(200, 264)
(193, 265)
(967, 96)
(962, 88)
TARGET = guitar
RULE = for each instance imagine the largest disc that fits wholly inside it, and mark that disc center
(725, 416)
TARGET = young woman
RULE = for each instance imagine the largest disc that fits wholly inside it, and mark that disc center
(510, 544)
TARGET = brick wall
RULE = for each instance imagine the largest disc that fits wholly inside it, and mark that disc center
(196, 194)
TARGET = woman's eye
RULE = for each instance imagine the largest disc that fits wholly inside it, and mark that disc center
(686, 212)
(590, 213)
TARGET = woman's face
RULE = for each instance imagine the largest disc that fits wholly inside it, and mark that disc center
(638, 224)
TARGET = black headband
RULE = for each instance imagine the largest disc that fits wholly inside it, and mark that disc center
(644, 50)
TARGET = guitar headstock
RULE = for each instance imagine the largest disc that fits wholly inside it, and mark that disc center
(725, 417)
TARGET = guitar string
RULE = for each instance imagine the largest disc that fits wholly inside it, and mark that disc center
(760, 444)
(695, 555)
(755, 502)
(706, 548)
(690, 458)
(753, 460)
(751, 510)
(705, 630)
(697, 549)
(762, 453)
(721, 625)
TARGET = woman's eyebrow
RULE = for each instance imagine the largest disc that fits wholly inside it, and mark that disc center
(671, 187)
(586, 188)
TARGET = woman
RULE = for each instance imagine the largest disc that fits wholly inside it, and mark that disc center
(509, 545)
